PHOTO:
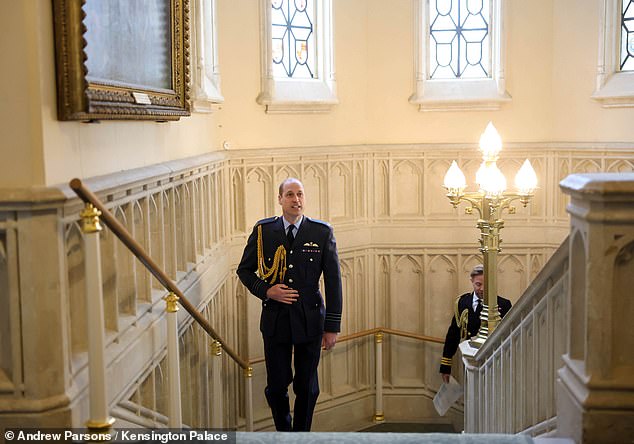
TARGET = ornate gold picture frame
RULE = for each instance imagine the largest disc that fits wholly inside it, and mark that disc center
(122, 59)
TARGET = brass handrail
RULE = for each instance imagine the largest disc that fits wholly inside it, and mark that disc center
(373, 331)
(120, 231)
(390, 331)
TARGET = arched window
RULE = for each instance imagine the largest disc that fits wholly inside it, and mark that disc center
(293, 43)
(627, 35)
(459, 55)
(297, 56)
(615, 74)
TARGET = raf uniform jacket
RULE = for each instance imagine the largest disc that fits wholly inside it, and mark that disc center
(314, 251)
(452, 340)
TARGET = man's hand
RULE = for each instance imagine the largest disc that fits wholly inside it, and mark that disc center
(282, 293)
(328, 340)
(445, 377)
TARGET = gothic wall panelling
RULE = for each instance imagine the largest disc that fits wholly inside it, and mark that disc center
(316, 186)
(76, 289)
(405, 254)
(407, 188)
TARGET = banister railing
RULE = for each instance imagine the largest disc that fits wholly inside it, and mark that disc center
(120, 231)
(525, 351)
(99, 418)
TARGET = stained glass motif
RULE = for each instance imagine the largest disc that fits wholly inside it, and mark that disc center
(293, 41)
(459, 42)
(627, 35)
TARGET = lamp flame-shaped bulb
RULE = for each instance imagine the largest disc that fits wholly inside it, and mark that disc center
(493, 182)
(490, 143)
(455, 179)
(480, 173)
(526, 179)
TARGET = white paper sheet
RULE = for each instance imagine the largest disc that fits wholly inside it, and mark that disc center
(447, 395)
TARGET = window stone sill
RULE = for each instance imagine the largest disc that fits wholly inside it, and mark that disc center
(459, 95)
(617, 92)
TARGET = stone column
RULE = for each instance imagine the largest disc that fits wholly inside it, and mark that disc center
(595, 389)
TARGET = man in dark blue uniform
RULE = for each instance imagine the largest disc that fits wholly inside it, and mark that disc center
(465, 322)
(281, 264)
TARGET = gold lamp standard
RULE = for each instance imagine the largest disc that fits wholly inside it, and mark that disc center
(490, 200)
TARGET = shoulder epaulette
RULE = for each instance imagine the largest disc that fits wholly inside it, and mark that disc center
(318, 221)
(268, 220)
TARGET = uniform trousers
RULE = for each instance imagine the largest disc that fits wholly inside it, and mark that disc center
(279, 374)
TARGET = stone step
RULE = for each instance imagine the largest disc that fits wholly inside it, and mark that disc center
(380, 438)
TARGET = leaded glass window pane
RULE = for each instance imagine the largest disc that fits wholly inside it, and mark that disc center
(459, 42)
(627, 35)
(293, 35)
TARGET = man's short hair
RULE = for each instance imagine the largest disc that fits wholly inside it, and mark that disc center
(477, 270)
(287, 181)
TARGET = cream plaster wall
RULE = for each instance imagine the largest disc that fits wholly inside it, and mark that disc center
(20, 128)
(551, 52)
(551, 67)
(37, 149)
(576, 116)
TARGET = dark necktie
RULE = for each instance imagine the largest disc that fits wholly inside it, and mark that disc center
(289, 234)
(479, 307)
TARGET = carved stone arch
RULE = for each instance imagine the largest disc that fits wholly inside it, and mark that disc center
(441, 261)
(317, 169)
(360, 187)
(237, 201)
(137, 210)
(181, 229)
(511, 277)
(315, 179)
(410, 202)
(510, 263)
(470, 261)
(119, 213)
(341, 192)
(416, 167)
(177, 195)
(75, 259)
(187, 185)
(620, 166)
(441, 289)
(535, 267)
(262, 175)
(346, 268)
(417, 264)
(407, 296)
(72, 228)
(382, 188)
(342, 166)
(153, 205)
(284, 173)
(236, 178)
(564, 169)
(578, 297)
(259, 195)
(587, 166)
(157, 232)
(443, 164)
